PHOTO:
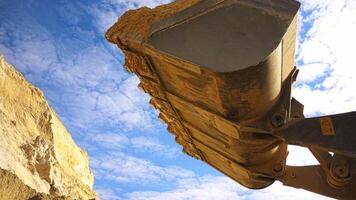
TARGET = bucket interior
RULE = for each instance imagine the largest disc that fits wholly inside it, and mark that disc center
(224, 39)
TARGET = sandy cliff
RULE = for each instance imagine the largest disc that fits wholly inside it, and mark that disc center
(38, 157)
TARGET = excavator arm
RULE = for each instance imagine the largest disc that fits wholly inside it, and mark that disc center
(331, 139)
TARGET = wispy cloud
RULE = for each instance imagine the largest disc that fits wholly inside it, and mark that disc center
(122, 168)
(106, 12)
(153, 145)
(23, 46)
(221, 188)
(107, 194)
(93, 87)
(140, 144)
(111, 141)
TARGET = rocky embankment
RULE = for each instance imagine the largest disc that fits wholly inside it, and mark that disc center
(38, 157)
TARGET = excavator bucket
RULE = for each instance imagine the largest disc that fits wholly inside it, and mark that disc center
(220, 72)
(232, 57)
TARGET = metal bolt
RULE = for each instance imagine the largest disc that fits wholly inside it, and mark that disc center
(341, 171)
(293, 175)
(278, 168)
(277, 120)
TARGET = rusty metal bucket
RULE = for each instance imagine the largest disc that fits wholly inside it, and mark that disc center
(220, 72)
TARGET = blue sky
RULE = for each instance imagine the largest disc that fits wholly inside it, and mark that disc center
(59, 46)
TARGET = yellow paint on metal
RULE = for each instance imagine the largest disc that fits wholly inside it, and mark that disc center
(327, 127)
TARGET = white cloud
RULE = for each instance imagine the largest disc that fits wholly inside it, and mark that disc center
(111, 141)
(309, 72)
(314, 51)
(106, 194)
(106, 12)
(149, 144)
(123, 168)
(78, 73)
(27, 47)
(127, 105)
(131, 4)
(300, 156)
(221, 188)
(327, 80)
(140, 144)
